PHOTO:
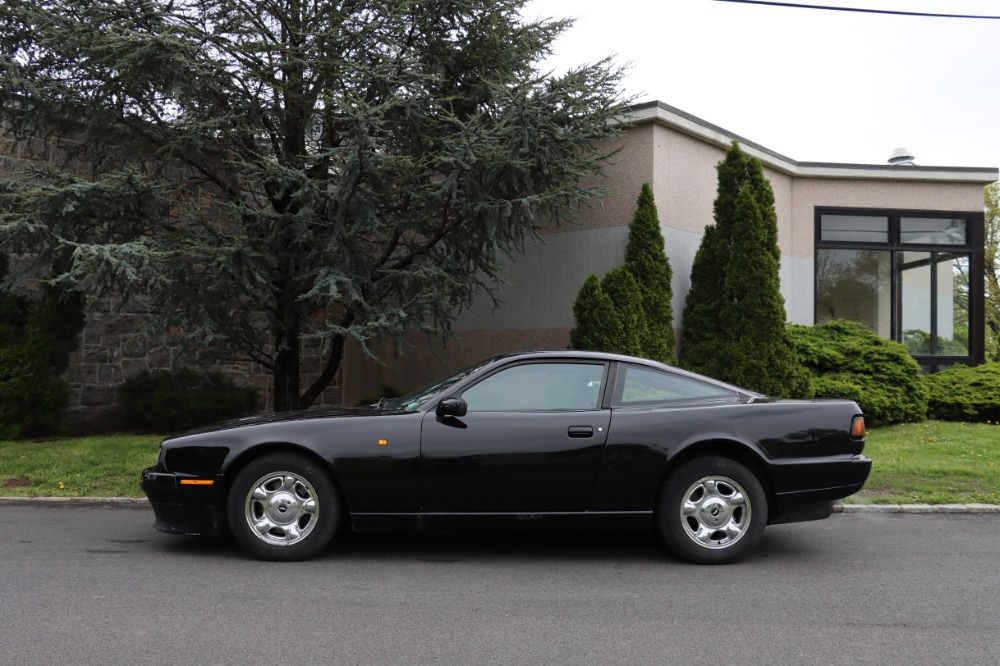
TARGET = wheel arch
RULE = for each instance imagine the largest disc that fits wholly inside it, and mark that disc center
(724, 448)
(232, 469)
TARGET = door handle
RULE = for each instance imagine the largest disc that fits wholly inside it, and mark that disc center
(581, 431)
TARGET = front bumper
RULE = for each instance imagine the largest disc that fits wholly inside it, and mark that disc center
(182, 509)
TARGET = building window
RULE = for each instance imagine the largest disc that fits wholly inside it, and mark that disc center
(907, 276)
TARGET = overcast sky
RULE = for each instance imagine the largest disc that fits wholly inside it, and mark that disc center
(813, 85)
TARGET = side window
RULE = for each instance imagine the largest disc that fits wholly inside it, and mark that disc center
(538, 387)
(639, 385)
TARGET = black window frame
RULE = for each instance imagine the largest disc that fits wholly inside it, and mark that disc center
(974, 244)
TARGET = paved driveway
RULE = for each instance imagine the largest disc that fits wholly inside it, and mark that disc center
(96, 585)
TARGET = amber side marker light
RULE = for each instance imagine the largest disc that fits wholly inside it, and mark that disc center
(197, 482)
(858, 427)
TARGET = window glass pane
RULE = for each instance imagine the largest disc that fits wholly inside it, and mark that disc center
(646, 385)
(538, 387)
(854, 228)
(855, 285)
(934, 302)
(934, 230)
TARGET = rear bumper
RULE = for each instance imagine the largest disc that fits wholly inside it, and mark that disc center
(182, 509)
(817, 503)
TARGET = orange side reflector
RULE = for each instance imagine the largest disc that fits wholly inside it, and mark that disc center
(197, 482)
(383, 442)
(858, 427)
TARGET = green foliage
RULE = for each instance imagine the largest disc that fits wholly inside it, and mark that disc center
(753, 340)
(851, 361)
(630, 311)
(598, 325)
(171, 402)
(609, 315)
(623, 291)
(703, 303)
(646, 260)
(961, 393)
(36, 340)
(268, 173)
(734, 315)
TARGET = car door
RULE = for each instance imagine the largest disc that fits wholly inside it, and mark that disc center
(531, 441)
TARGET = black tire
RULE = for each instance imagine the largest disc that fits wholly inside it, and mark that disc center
(726, 514)
(293, 502)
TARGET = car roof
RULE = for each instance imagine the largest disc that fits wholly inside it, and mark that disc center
(607, 357)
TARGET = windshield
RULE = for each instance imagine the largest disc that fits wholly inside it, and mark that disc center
(415, 399)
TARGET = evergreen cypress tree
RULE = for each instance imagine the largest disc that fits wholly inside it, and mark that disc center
(734, 316)
(630, 310)
(598, 325)
(700, 322)
(753, 339)
(623, 291)
(646, 260)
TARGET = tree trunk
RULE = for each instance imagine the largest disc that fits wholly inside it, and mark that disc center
(332, 364)
(286, 367)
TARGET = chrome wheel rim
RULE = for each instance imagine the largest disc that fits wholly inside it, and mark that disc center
(715, 512)
(281, 508)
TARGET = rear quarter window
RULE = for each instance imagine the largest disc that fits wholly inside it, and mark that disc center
(641, 386)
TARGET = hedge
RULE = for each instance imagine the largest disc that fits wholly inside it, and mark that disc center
(961, 393)
(851, 361)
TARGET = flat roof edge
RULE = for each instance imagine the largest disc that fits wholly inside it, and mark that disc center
(664, 114)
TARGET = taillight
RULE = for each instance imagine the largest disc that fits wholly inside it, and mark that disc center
(858, 427)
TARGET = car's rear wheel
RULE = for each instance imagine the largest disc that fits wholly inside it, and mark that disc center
(712, 511)
(283, 507)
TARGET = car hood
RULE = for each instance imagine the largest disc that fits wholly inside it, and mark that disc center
(280, 417)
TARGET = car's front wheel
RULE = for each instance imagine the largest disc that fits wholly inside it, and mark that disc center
(283, 507)
(712, 510)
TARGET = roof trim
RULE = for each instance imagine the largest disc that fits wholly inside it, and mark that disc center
(663, 114)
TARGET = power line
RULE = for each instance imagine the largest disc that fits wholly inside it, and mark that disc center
(859, 9)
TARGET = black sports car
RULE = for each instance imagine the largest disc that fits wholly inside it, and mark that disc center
(543, 436)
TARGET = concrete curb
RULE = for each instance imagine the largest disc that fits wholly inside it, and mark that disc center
(838, 507)
(74, 500)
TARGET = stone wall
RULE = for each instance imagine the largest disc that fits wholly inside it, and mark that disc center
(114, 348)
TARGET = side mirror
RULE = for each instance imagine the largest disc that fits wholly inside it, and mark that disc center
(451, 407)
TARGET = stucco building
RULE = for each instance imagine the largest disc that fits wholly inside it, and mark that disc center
(898, 247)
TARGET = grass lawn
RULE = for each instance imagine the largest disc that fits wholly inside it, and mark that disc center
(918, 463)
(934, 462)
(100, 466)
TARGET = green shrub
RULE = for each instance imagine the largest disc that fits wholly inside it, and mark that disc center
(851, 361)
(32, 399)
(36, 340)
(962, 393)
(170, 402)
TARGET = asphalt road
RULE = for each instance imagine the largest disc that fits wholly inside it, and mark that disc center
(96, 585)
